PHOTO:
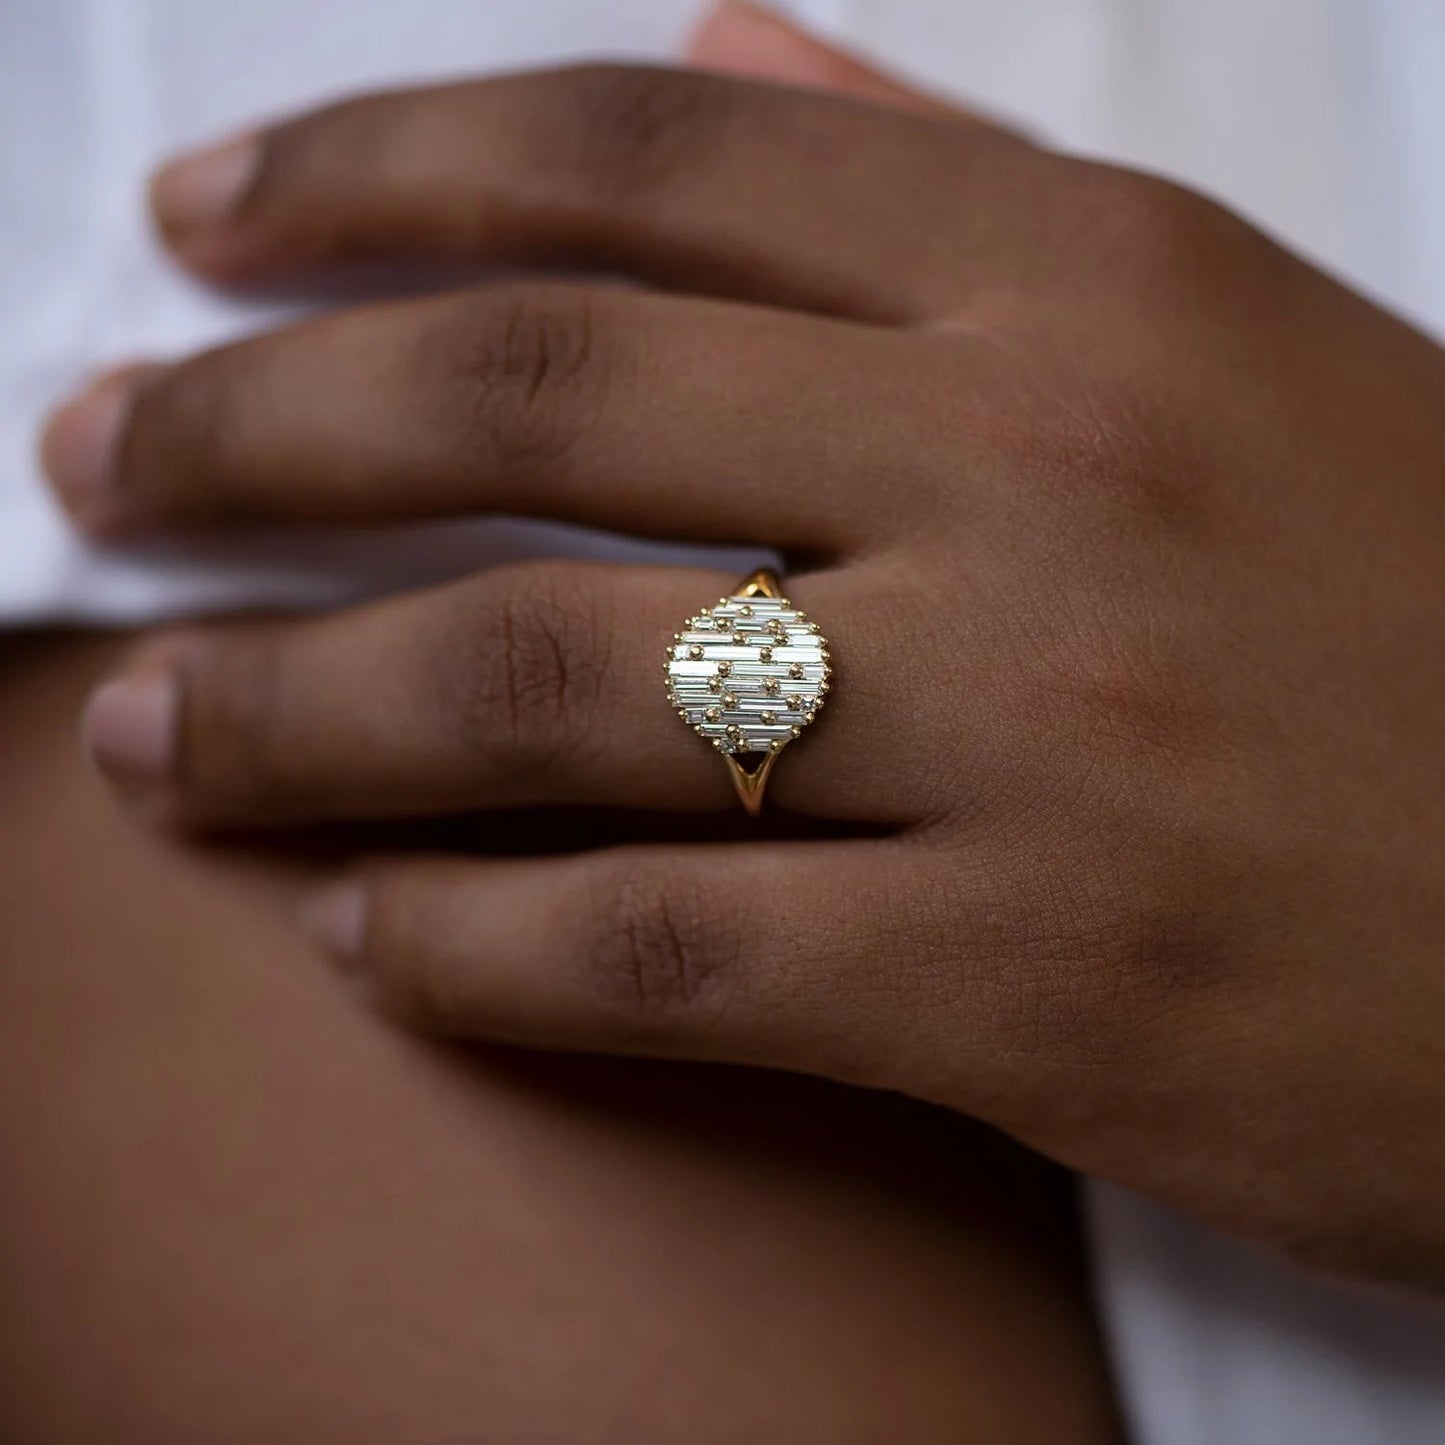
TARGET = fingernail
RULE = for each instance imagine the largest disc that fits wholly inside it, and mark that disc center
(754, 10)
(129, 728)
(201, 188)
(334, 918)
(729, 31)
(741, 37)
(77, 449)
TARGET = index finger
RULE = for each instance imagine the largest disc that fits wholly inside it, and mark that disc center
(687, 180)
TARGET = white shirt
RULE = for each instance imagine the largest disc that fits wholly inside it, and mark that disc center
(1324, 120)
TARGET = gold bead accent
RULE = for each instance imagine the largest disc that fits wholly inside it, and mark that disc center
(777, 745)
(695, 653)
(796, 731)
(795, 702)
(808, 717)
(724, 668)
(714, 684)
(720, 745)
(734, 731)
(730, 699)
(769, 718)
(772, 686)
(713, 714)
(795, 670)
(765, 654)
(746, 610)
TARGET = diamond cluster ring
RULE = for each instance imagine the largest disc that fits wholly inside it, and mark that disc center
(749, 674)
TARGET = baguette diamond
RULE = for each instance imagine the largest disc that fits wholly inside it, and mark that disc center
(752, 717)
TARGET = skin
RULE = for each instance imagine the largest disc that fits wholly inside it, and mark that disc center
(237, 1210)
(1125, 523)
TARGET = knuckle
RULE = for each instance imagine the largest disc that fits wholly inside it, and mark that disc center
(1123, 951)
(1134, 700)
(539, 659)
(1114, 452)
(653, 952)
(1167, 234)
(524, 361)
(638, 129)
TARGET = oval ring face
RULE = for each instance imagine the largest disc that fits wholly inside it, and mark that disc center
(748, 674)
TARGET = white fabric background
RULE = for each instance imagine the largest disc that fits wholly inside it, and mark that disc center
(1322, 119)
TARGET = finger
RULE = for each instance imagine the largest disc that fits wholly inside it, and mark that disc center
(532, 685)
(785, 954)
(641, 412)
(689, 181)
(739, 38)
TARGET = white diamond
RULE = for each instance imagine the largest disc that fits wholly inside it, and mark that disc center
(719, 678)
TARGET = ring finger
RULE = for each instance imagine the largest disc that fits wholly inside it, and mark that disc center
(531, 685)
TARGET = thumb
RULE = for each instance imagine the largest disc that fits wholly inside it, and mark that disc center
(741, 38)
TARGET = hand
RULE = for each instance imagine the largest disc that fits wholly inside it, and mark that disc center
(1127, 528)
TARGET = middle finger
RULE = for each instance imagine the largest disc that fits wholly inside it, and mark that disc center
(646, 413)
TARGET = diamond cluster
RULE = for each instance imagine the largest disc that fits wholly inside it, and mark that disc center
(748, 674)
